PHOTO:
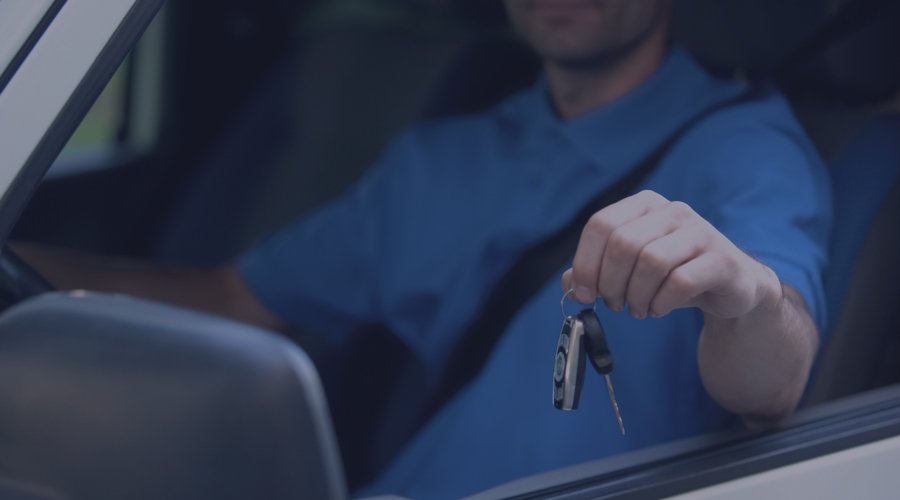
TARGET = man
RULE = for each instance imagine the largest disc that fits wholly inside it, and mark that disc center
(732, 267)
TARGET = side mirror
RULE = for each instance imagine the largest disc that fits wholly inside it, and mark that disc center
(108, 397)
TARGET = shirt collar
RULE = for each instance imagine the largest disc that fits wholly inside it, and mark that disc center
(617, 136)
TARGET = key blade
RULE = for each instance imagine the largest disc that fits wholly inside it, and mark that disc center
(615, 404)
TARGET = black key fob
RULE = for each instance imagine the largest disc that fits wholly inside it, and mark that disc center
(568, 369)
(595, 342)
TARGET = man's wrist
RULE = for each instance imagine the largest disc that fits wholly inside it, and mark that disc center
(767, 303)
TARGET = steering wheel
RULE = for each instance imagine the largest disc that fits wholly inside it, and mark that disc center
(18, 280)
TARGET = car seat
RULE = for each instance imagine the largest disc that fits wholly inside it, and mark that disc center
(835, 61)
(837, 93)
(862, 279)
(355, 77)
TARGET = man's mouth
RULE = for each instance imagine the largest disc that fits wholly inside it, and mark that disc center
(562, 8)
(562, 5)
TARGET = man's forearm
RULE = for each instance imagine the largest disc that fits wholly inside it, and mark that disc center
(757, 365)
(219, 290)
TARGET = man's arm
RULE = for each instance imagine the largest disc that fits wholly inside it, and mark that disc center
(757, 365)
(219, 290)
(654, 255)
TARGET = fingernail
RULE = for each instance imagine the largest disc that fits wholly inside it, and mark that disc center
(584, 295)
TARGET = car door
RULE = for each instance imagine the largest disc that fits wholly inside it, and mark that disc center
(55, 63)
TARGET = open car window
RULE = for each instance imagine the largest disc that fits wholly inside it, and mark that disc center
(238, 118)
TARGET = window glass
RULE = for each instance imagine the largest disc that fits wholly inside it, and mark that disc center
(124, 120)
(101, 127)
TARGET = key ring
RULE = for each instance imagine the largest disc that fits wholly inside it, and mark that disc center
(562, 303)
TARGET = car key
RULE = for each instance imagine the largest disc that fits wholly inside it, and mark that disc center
(568, 369)
(599, 354)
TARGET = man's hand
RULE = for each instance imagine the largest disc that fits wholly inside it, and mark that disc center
(654, 255)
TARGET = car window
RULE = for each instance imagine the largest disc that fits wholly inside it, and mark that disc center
(124, 121)
(225, 125)
(55, 67)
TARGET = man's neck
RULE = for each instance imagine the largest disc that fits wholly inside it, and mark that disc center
(576, 90)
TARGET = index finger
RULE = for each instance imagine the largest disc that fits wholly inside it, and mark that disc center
(589, 254)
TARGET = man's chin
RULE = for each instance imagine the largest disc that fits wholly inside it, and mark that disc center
(566, 13)
(586, 60)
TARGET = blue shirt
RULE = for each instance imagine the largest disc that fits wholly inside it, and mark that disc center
(419, 243)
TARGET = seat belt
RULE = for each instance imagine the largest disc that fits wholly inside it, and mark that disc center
(543, 261)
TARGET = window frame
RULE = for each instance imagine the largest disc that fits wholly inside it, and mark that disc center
(136, 132)
(92, 37)
(691, 465)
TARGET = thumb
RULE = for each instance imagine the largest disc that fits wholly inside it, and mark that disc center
(567, 280)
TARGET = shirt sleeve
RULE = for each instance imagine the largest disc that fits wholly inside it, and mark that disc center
(765, 188)
(316, 273)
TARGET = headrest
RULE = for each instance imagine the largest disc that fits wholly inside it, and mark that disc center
(837, 49)
(751, 35)
(475, 13)
(859, 65)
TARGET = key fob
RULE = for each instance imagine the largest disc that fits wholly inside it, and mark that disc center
(595, 342)
(568, 369)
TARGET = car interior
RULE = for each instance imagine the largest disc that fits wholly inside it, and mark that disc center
(270, 109)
